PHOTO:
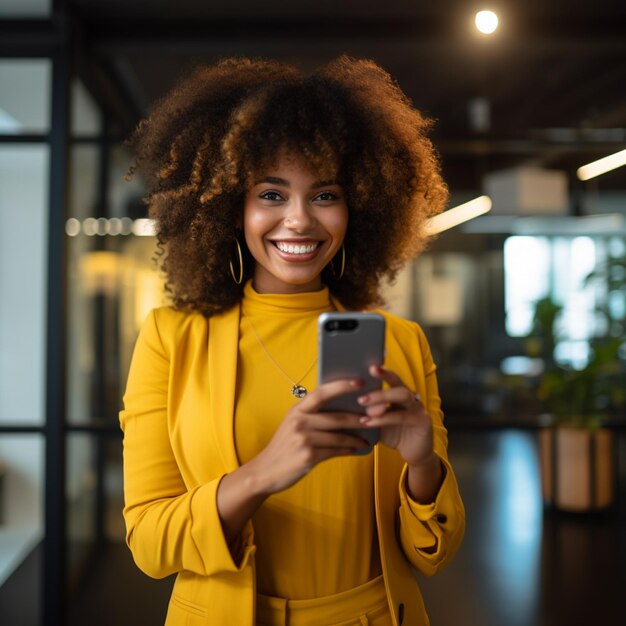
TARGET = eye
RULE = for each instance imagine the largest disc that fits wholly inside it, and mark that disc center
(272, 196)
(327, 196)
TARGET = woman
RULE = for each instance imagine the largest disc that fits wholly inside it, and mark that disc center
(278, 197)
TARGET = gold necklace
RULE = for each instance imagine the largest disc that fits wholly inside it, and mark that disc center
(297, 390)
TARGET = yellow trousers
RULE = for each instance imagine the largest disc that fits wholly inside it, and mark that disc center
(365, 605)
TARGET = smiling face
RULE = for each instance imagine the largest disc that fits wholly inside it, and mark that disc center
(293, 224)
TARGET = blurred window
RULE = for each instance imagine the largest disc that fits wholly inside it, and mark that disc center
(86, 117)
(25, 8)
(25, 86)
(537, 267)
(23, 250)
(24, 186)
(21, 507)
(526, 280)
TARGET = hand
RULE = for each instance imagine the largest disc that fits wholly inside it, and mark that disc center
(399, 413)
(406, 426)
(306, 437)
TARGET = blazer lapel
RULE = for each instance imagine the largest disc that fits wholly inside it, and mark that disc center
(222, 350)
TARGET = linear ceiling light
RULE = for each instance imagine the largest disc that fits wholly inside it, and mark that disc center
(459, 214)
(602, 166)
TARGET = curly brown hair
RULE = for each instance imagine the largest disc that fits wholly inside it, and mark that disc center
(204, 141)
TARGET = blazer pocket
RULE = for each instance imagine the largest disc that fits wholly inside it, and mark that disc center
(189, 607)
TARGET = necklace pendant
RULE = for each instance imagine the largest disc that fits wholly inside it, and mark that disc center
(299, 391)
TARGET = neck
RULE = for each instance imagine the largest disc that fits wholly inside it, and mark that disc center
(285, 289)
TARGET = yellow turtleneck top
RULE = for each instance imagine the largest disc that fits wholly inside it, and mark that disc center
(312, 539)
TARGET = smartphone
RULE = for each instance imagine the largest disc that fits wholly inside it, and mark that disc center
(348, 344)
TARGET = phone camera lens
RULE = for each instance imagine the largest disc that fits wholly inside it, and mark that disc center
(334, 326)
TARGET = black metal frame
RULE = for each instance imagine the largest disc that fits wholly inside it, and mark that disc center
(55, 39)
(48, 39)
(39, 39)
(54, 571)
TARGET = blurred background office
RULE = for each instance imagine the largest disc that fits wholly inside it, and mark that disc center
(524, 303)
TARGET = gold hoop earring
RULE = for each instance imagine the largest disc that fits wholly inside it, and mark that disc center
(343, 264)
(239, 278)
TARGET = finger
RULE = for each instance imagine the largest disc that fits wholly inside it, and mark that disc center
(333, 421)
(318, 397)
(386, 375)
(305, 422)
(395, 395)
(402, 417)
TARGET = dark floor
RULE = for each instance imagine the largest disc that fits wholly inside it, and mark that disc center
(518, 566)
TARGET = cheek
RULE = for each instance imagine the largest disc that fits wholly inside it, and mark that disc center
(254, 225)
(337, 223)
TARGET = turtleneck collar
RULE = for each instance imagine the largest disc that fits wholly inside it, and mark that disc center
(288, 305)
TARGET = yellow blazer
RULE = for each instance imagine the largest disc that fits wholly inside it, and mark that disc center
(179, 443)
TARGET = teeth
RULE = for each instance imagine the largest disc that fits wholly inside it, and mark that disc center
(295, 248)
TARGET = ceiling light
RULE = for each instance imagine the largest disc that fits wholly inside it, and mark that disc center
(602, 166)
(90, 226)
(459, 214)
(144, 227)
(72, 227)
(486, 22)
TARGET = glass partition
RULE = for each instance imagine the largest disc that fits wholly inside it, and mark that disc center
(25, 88)
(23, 262)
(86, 116)
(21, 525)
(112, 283)
(25, 95)
(81, 501)
(25, 8)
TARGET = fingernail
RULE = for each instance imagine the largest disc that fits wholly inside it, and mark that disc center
(356, 383)
(363, 399)
(365, 419)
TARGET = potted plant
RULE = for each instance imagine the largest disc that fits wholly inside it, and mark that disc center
(576, 449)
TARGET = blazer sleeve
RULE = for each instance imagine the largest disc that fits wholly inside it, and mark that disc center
(430, 534)
(169, 527)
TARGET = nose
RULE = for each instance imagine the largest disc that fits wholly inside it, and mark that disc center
(299, 216)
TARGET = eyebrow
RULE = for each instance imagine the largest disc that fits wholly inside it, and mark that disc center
(275, 180)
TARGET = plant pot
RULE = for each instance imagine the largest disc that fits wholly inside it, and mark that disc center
(577, 468)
